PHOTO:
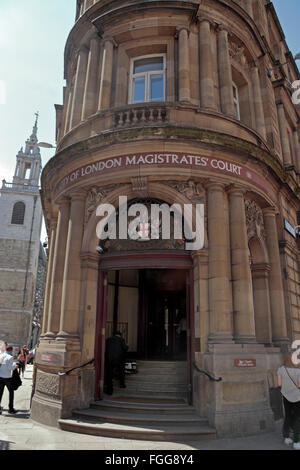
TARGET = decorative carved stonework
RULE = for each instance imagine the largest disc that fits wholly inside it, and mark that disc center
(95, 197)
(48, 383)
(254, 220)
(140, 185)
(192, 190)
(237, 53)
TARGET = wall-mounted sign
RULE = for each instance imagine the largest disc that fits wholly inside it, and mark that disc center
(289, 228)
(164, 159)
(46, 357)
(245, 363)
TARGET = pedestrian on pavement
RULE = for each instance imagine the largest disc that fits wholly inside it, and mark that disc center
(289, 381)
(115, 351)
(6, 367)
(22, 359)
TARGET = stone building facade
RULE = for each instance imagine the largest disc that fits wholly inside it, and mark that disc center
(20, 228)
(186, 102)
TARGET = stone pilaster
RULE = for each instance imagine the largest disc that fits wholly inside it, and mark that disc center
(184, 87)
(285, 144)
(71, 288)
(90, 91)
(258, 104)
(279, 329)
(221, 323)
(58, 268)
(243, 313)
(106, 75)
(261, 298)
(225, 73)
(51, 247)
(207, 93)
(77, 98)
(297, 150)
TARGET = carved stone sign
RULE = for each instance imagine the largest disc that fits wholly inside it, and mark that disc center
(47, 383)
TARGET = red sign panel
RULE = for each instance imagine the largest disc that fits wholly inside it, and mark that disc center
(245, 363)
(46, 357)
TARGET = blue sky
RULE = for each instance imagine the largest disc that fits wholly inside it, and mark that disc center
(32, 39)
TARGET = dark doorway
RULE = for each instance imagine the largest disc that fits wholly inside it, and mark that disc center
(163, 319)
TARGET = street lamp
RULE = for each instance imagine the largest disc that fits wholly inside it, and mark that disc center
(46, 145)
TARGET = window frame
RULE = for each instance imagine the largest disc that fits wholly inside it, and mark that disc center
(12, 214)
(147, 76)
(236, 101)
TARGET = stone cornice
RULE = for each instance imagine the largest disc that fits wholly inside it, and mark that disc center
(217, 140)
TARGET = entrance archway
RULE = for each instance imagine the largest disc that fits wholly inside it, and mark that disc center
(148, 297)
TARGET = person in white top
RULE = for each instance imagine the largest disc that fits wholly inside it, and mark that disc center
(289, 381)
(6, 367)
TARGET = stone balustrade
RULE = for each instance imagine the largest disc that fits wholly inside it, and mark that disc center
(139, 115)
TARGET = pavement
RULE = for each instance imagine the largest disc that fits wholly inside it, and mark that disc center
(19, 432)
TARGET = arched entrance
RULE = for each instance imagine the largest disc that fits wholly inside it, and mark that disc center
(148, 296)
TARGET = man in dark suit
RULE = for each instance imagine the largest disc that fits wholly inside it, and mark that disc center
(115, 351)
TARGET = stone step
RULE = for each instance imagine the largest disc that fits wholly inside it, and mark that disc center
(142, 406)
(153, 377)
(160, 387)
(150, 392)
(145, 419)
(158, 432)
(159, 365)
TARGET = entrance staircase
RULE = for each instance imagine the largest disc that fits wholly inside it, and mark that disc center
(152, 407)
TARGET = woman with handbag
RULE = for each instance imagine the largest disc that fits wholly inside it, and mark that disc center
(289, 381)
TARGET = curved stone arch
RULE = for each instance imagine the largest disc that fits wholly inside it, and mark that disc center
(258, 250)
(160, 191)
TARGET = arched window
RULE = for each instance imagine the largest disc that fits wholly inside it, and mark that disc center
(18, 213)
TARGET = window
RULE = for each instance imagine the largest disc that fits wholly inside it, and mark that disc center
(18, 213)
(147, 83)
(236, 102)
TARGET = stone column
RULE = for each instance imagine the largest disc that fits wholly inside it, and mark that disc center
(285, 144)
(71, 287)
(184, 87)
(207, 92)
(297, 150)
(243, 313)
(90, 91)
(51, 247)
(261, 298)
(221, 326)
(106, 75)
(258, 104)
(279, 328)
(58, 268)
(77, 99)
(225, 73)
(66, 126)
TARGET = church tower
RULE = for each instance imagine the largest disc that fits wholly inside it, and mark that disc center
(20, 227)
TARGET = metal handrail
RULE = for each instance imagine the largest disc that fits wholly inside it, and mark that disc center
(74, 368)
(211, 377)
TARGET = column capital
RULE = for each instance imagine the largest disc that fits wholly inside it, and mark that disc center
(182, 28)
(78, 195)
(235, 189)
(269, 211)
(221, 28)
(214, 185)
(63, 201)
(111, 40)
(203, 19)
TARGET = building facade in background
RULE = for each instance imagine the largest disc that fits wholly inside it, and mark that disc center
(20, 228)
(175, 102)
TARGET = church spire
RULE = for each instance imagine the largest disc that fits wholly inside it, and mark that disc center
(28, 165)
